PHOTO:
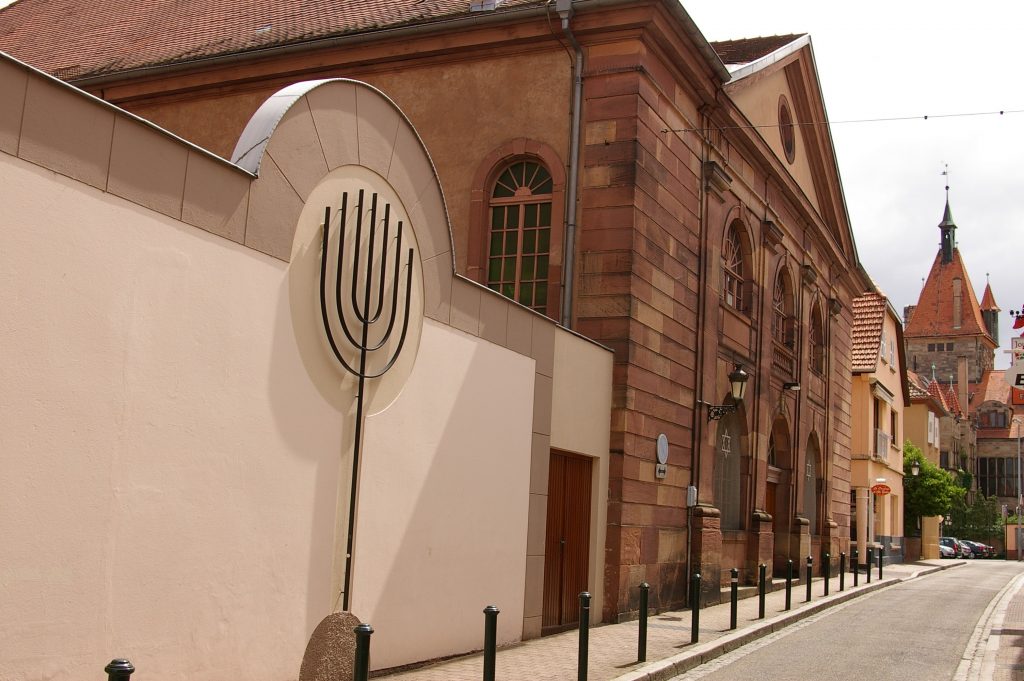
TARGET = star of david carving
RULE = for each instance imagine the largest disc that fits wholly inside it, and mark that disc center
(726, 444)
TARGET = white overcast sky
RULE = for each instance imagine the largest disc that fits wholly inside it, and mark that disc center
(915, 58)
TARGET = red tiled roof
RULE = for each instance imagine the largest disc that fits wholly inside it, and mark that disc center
(991, 387)
(952, 399)
(868, 317)
(988, 301)
(933, 314)
(746, 50)
(917, 385)
(921, 388)
(946, 395)
(75, 39)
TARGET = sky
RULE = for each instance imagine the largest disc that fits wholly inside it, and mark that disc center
(914, 58)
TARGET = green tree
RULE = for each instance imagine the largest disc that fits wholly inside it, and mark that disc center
(979, 521)
(931, 492)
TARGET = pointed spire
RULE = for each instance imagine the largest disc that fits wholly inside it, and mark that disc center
(947, 215)
(988, 300)
(947, 227)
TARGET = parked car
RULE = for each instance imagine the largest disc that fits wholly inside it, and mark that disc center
(946, 551)
(978, 549)
(954, 543)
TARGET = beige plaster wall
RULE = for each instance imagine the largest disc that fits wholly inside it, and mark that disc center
(581, 402)
(175, 444)
(443, 502)
(169, 470)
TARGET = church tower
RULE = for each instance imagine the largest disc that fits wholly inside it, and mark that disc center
(948, 329)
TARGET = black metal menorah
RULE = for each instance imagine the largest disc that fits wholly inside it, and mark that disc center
(367, 314)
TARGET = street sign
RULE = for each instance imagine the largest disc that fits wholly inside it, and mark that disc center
(880, 489)
(1015, 374)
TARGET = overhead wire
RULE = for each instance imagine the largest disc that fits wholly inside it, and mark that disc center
(885, 119)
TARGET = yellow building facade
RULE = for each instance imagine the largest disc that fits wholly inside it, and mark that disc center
(880, 395)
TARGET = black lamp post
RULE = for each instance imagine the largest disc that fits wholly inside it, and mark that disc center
(915, 468)
(737, 389)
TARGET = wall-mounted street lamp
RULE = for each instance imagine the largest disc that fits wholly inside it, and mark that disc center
(915, 468)
(737, 388)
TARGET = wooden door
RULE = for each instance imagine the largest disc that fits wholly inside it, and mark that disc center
(567, 541)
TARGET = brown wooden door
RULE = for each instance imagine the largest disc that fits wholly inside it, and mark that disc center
(567, 544)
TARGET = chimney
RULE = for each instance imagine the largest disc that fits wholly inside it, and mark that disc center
(908, 312)
(961, 371)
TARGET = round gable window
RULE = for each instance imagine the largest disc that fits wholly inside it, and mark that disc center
(787, 130)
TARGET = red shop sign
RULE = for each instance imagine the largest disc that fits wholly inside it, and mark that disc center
(881, 489)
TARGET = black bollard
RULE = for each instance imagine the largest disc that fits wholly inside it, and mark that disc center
(584, 636)
(855, 564)
(842, 570)
(760, 590)
(827, 567)
(119, 669)
(789, 584)
(881, 553)
(734, 595)
(871, 559)
(695, 607)
(810, 568)
(361, 668)
(641, 647)
(490, 641)
(581, 667)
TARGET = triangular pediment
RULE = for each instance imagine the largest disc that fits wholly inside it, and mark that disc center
(783, 84)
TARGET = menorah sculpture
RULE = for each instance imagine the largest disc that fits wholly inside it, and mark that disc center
(367, 314)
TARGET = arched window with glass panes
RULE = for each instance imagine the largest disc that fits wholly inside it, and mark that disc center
(519, 238)
(734, 268)
(782, 311)
(816, 342)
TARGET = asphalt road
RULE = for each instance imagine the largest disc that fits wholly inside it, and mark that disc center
(917, 630)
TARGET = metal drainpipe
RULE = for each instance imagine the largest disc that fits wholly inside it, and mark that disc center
(697, 437)
(569, 248)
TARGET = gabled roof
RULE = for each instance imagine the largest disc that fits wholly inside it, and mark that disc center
(925, 390)
(742, 51)
(991, 388)
(868, 318)
(933, 315)
(74, 39)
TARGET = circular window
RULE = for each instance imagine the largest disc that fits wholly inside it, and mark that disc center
(787, 129)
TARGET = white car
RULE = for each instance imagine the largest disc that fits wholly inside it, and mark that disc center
(946, 551)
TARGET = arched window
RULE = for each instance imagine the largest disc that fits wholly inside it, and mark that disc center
(817, 341)
(727, 481)
(519, 240)
(782, 311)
(734, 268)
